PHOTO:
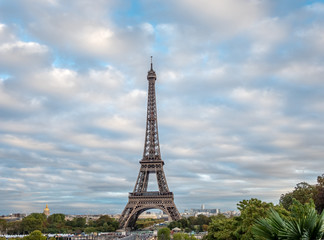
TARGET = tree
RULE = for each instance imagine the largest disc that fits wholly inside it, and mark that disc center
(88, 230)
(34, 221)
(35, 235)
(3, 226)
(106, 223)
(270, 227)
(184, 223)
(319, 194)
(192, 223)
(180, 236)
(14, 227)
(56, 218)
(205, 227)
(251, 210)
(303, 192)
(201, 220)
(222, 228)
(174, 224)
(183, 236)
(80, 222)
(56, 223)
(304, 223)
(164, 234)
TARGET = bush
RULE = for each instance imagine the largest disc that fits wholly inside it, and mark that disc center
(35, 235)
(164, 234)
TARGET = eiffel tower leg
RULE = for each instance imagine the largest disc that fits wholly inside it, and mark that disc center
(125, 216)
(161, 180)
(142, 181)
(127, 219)
(173, 213)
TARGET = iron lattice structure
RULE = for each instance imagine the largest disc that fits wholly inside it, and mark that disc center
(141, 199)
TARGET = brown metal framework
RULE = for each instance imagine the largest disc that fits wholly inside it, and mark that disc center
(140, 199)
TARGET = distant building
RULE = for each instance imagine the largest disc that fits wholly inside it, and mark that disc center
(14, 217)
(201, 211)
(147, 215)
(46, 211)
(231, 213)
(88, 217)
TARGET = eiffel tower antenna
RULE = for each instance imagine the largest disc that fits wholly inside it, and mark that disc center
(141, 199)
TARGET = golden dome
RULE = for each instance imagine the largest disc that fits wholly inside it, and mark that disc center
(46, 210)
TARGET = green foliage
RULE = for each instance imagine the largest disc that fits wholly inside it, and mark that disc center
(77, 223)
(80, 222)
(35, 235)
(88, 230)
(104, 224)
(104, 219)
(2, 238)
(174, 224)
(222, 228)
(303, 192)
(183, 236)
(14, 227)
(56, 218)
(144, 223)
(304, 223)
(201, 220)
(164, 234)
(3, 226)
(319, 194)
(196, 224)
(270, 227)
(251, 210)
(34, 221)
(56, 223)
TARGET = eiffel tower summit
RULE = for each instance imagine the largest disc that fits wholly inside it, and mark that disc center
(141, 199)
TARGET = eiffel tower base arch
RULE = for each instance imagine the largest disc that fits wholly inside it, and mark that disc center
(149, 200)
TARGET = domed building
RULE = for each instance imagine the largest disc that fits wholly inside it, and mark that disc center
(46, 211)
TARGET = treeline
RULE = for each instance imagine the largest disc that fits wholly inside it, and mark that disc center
(196, 224)
(145, 223)
(304, 192)
(164, 234)
(35, 235)
(56, 223)
(299, 215)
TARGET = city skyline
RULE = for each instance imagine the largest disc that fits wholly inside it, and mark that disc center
(240, 100)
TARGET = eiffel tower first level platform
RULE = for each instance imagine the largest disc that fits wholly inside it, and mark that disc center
(141, 199)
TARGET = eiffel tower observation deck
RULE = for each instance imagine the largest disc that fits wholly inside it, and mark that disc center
(141, 199)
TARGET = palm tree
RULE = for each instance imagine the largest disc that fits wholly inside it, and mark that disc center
(270, 227)
(304, 223)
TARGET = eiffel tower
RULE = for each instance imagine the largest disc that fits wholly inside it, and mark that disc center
(141, 199)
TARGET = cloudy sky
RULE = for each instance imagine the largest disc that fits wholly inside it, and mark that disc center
(240, 96)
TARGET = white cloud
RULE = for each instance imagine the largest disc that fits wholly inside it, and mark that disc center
(303, 73)
(224, 17)
(22, 55)
(27, 143)
(5, 34)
